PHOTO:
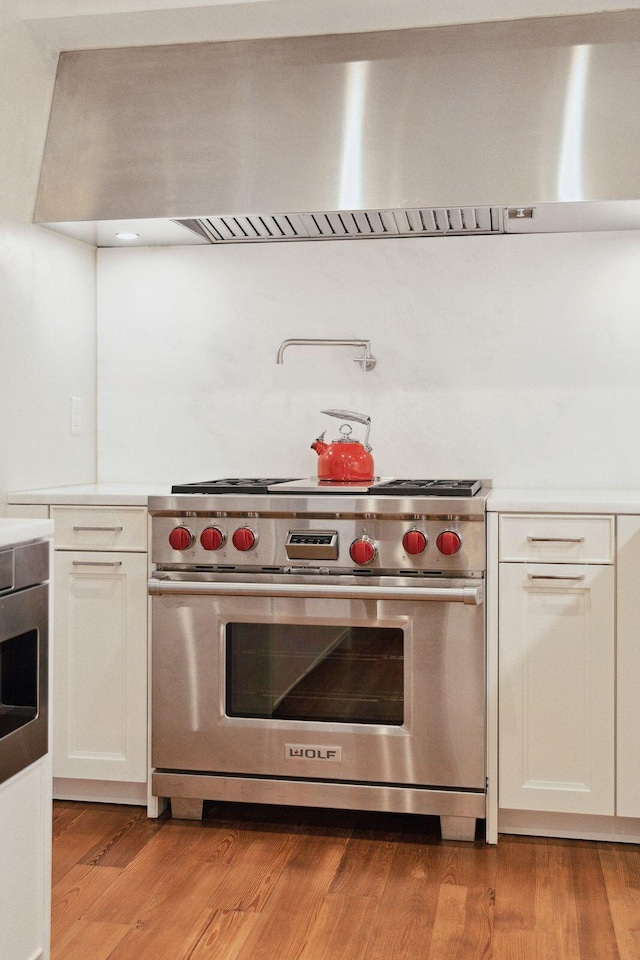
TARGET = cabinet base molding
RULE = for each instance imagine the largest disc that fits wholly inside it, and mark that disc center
(100, 791)
(569, 826)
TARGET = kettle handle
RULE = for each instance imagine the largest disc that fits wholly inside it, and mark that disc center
(348, 415)
(356, 417)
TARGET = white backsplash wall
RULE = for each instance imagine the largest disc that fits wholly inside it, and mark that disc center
(47, 291)
(511, 358)
(47, 332)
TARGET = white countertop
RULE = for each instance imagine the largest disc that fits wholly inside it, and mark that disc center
(94, 494)
(17, 530)
(570, 500)
(502, 500)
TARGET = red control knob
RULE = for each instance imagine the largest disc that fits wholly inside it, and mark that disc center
(244, 539)
(211, 538)
(362, 551)
(414, 542)
(181, 538)
(448, 542)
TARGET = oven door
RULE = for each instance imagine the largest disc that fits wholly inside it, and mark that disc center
(23, 678)
(375, 683)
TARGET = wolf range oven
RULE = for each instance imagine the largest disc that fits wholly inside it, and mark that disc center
(321, 647)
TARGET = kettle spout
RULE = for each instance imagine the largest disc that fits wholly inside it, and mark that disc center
(319, 445)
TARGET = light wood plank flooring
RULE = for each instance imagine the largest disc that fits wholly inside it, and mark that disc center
(270, 883)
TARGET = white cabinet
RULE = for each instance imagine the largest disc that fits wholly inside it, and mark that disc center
(557, 539)
(556, 665)
(100, 528)
(100, 698)
(25, 875)
(628, 673)
(100, 671)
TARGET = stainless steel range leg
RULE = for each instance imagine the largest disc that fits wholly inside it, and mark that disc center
(458, 828)
(186, 809)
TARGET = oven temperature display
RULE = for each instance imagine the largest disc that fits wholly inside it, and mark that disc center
(312, 545)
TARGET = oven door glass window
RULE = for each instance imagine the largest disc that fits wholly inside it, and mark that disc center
(315, 672)
(18, 681)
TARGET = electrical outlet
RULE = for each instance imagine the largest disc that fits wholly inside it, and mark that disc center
(76, 415)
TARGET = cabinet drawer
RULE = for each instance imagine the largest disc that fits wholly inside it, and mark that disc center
(556, 539)
(100, 528)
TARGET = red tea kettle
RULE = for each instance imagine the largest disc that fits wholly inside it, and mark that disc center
(345, 460)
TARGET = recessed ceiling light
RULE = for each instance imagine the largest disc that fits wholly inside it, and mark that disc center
(127, 236)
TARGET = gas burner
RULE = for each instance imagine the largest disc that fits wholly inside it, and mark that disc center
(430, 488)
(381, 486)
(240, 485)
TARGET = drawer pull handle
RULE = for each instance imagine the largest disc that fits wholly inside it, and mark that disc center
(552, 576)
(555, 539)
(113, 529)
(97, 563)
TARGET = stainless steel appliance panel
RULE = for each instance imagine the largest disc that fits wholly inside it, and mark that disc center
(470, 115)
(271, 548)
(441, 741)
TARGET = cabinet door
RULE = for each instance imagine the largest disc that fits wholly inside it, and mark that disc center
(100, 666)
(556, 693)
(628, 699)
(25, 874)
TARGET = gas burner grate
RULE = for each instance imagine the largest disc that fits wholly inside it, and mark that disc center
(430, 488)
(233, 485)
(390, 488)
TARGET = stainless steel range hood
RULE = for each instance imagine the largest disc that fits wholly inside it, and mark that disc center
(523, 126)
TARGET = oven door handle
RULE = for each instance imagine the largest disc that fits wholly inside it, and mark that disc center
(189, 588)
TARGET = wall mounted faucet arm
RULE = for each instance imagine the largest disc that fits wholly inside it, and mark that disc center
(366, 361)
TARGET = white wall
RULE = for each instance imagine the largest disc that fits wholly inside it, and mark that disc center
(511, 358)
(47, 291)
(83, 24)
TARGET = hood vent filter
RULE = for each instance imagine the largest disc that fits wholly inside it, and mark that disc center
(349, 225)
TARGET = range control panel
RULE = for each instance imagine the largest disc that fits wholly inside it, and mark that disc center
(254, 542)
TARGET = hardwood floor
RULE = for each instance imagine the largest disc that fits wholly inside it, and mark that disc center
(269, 883)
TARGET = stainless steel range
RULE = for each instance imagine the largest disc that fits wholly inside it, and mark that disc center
(320, 644)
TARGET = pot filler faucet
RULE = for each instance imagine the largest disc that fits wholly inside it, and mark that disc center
(366, 361)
